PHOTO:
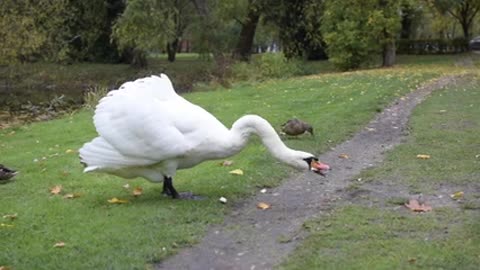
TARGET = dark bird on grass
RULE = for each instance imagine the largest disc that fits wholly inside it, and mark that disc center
(146, 130)
(295, 127)
(6, 173)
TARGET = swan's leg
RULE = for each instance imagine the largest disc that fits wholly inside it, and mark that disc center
(166, 190)
(169, 189)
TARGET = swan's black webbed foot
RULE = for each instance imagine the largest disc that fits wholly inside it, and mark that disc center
(169, 190)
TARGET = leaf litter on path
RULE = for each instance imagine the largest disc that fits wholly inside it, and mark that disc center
(416, 206)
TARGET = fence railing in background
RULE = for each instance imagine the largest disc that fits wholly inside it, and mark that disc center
(432, 46)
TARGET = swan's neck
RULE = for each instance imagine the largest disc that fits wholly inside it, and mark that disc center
(247, 125)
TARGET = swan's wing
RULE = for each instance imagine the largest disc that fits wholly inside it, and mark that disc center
(158, 87)
(138, 121)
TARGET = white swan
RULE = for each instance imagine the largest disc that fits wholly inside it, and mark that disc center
(147, 130)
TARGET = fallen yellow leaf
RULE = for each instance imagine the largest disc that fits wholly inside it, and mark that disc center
(56, 190)
(344, 156)
(126, 186)
(137, 191)
(415, 206)
(69, 151)
(2, 267)
(59, 245)
(422, 156)
(10, 216)
(117, 201)
(6, 225)
(236, 172)
(263, 206)
(457, 195)
(71, 196)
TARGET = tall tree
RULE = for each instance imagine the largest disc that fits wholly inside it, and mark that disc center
(32, 29)
(464, 11)
(244, 45)
(298, 24)
(356, 31)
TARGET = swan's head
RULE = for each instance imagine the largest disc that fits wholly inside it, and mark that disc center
(305, 161)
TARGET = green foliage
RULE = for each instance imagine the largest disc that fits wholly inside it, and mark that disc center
(356, 31)
(57, 31)
(298, 25)
(30, 28)
(267, 66)
(145, 25)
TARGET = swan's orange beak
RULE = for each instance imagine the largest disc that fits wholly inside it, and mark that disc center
(319, 167)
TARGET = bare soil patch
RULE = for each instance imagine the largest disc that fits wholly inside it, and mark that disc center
(251, 238)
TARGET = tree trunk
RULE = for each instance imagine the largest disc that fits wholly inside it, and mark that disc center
(172, 48)
(466, 29)
(389, 54)
(243, 49)
(139, 59)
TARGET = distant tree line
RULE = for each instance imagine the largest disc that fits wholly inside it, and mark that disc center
(347, 32)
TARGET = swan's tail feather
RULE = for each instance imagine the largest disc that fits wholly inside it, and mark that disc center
(99, 155)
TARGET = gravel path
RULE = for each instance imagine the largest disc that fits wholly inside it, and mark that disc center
(260, 239)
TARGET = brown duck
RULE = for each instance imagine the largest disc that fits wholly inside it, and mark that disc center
(295, 127)
(6, 173)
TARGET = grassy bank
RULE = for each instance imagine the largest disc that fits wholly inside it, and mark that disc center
(374, 233)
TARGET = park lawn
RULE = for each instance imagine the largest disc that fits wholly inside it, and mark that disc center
(134, 235)
(376, 234)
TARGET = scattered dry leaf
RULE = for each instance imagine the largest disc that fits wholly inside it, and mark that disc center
(56, 190)
(71, 195)
(236, 172)
(117, 201)
(223, 200)
(344, 156)
(415, 206)
(227, 163)
(2, 267)
(59, 245)
(457, 195)
(137, 191)
(422, 156)
(263, 190)
(6, 225)
(126, 186)
(263, 206)
(10, 216)
(69, 151)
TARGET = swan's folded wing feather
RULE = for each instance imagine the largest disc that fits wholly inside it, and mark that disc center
(140, 127)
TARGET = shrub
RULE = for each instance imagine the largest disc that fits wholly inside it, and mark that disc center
(266, 66)
(93, 96)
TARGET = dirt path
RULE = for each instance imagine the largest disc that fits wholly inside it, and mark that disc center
(254, 239)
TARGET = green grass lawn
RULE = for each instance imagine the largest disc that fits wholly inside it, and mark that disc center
(100, 235)
(372, 236)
